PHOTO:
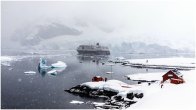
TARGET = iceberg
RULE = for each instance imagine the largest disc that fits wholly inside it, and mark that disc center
(59, 64)
(42, 64)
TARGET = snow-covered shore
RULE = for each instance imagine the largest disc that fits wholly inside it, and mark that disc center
(163, 63)
(6, 60)
(146, 76)
(171, 96)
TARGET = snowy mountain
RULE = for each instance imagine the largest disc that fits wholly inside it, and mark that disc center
(61, 35)
(36, 35)
(141, 48)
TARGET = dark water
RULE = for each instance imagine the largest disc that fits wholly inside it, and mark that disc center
(43, 91)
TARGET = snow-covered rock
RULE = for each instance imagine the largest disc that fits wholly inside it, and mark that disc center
(110, 85)
(117, 93)
(170, 96)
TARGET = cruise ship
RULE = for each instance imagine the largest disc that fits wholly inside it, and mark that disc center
(93, 50)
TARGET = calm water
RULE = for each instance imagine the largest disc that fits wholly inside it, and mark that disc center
(42, 90)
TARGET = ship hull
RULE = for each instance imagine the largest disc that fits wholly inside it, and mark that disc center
(93, 52)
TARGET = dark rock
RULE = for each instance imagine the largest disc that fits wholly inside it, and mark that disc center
(113, 101)
(130, 96)
(139, 95)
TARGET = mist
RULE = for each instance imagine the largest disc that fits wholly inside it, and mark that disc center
(62, 24)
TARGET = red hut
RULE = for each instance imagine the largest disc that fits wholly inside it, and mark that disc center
(174, 76)
(97, 79)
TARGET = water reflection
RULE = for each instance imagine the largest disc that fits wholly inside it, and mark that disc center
(95, 58)
(42, 71)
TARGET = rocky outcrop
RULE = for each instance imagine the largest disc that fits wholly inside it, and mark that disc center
(113, 99)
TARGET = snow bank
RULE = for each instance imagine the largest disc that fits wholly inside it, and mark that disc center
(146, 76)
(179, 61)
(6, 60)
(171, 96)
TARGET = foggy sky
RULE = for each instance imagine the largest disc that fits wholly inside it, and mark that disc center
(165, 23)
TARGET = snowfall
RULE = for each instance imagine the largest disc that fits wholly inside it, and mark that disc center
(169, 97)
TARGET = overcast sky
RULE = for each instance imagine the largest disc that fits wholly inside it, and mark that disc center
(165, 23)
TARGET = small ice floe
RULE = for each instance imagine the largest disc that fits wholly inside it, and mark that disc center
(52, 72)
(98, 103)
(6, 63)
(76, 102)
(30, 72)
(10, 69)
(59, 64)
(109, 72)
(59, 69)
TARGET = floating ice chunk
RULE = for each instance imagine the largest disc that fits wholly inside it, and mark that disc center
(10, 69)
(6, 63)
(59, 69)
(76, 102)
(109, 72)
(30, 72)
(98, 103)
(52, 72)
(59, 64)
(6, 60)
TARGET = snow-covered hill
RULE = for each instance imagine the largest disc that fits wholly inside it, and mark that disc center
(171, 96)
